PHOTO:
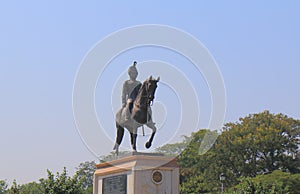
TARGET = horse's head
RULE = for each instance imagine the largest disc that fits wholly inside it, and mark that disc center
(151, 85)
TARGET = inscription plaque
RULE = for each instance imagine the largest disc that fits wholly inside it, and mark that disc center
(115, 184)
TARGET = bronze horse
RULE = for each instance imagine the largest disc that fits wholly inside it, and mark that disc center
(140, 115)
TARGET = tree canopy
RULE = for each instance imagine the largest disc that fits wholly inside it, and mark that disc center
(275, 182)
(257, 144)
(61, 183)
(3, 186)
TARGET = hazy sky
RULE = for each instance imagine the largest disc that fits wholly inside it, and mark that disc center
(42, 43)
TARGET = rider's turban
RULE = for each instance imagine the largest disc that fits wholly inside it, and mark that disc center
(132, 68)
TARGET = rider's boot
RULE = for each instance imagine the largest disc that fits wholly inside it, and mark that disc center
(127, 109)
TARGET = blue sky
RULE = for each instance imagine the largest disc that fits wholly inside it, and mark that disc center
(256, 45)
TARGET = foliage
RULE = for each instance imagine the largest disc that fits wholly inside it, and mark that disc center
(257, 144)
(85, 172)
(261, 143)
(3, 187)
(62, 184)
(276, 182)
(113, 156)
(31, 188)
(174, 149)
(89, 190)
(15, 188)
(195, 176)
(80, 183)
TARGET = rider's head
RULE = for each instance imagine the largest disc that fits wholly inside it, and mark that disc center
(132, 71)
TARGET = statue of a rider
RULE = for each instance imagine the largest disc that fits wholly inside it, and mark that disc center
(130, 90)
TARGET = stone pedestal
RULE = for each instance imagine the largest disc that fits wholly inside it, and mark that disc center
(138, 173)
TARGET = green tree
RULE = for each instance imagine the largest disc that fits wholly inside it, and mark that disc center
(113, 156)
(62, 184)
(174, 149)
(275, 182)
(85, 172)
(256, 144)
(15, 188)
(89, 190)
(195, 176)
(3, 187)
(31, 188)
(80, 183)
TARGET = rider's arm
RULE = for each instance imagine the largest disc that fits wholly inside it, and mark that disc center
(135, 91)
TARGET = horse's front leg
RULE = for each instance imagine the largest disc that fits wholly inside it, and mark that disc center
(151, 125)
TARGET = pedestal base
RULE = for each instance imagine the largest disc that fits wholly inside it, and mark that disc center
(138, 173)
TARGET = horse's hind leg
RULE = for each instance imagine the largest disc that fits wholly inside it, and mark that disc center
(120, 134)
(133, 140)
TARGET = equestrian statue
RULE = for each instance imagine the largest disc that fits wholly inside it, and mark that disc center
(137, 98)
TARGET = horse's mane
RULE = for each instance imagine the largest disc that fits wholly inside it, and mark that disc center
(140, 91)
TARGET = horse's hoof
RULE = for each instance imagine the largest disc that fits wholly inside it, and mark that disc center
(116, 147)
(116, 152)
(148, 145)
